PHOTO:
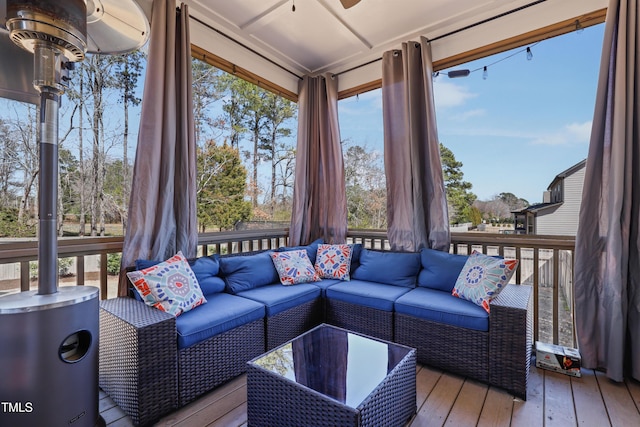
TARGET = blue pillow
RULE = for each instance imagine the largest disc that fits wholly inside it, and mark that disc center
(311, 248)
(440, 270)
(205, 268)
(392, 268)
(244, 272)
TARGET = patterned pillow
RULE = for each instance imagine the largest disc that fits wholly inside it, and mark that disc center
(334, 261)
(169, 286)
(294, 267)
(483, 277)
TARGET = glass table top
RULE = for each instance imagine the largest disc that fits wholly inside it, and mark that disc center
(335, 362)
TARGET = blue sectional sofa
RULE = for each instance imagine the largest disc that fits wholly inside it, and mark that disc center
(152, 362)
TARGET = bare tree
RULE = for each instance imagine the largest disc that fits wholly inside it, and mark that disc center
(24, 132)
(99, 78)
(366, 188)
(128, 71)
(8, 162)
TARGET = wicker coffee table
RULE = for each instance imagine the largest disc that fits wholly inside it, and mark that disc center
(332, 377)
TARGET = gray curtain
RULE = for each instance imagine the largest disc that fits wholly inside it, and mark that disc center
(162, 207)
(607, 267)
(417, 214)
(319, 196)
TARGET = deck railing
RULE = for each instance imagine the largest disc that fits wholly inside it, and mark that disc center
(546, 263)
(90, 256)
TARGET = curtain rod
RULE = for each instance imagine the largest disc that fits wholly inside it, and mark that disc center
(245, 46)
(459, 30)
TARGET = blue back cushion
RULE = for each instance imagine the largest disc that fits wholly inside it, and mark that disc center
(244, 272)
(205, 268)
(392, 268)
(356, 251)
(440, 270)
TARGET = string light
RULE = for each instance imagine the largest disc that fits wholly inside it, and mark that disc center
(485, 68)
(458, 73)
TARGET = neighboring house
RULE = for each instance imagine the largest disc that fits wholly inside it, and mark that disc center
(558, 213)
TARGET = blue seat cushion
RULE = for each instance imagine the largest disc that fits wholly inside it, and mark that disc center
(440, 270)
(390, 268)
(442, 307)
(278, 298)
(221, 313)
(325, 283)
(368, 294)
(244, 272)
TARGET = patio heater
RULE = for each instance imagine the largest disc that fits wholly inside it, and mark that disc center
(49, 337)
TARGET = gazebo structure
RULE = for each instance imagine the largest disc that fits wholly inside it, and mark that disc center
(342, 48)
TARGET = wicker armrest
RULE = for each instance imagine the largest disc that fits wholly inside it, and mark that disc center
(511, 338)
(513, 297)
(138, 358)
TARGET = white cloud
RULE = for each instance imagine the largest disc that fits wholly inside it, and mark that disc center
(573, 133)
(490, 132)
(479, 112)
(448, 94)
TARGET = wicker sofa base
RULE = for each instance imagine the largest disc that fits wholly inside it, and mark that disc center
(358, 318)
(500, 357)
(137, 343)
(511, 344)
(206, 365)
(288, 324)
(460, 350)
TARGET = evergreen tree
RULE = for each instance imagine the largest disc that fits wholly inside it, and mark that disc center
(278, 111)
(459, 196)
(221, 187)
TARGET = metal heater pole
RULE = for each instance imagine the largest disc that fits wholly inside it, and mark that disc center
(47, 69)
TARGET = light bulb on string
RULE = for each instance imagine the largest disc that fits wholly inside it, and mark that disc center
(529, 54)
(485, 73)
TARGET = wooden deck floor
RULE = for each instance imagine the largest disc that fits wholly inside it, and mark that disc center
(445, 399)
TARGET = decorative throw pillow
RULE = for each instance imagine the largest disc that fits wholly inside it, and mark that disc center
(294, 267)
(483, 277)
(169, 286)
(334, 261)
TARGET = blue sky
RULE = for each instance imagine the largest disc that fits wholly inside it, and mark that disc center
(516, 130)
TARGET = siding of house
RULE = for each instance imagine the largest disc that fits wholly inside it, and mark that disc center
(563, 220)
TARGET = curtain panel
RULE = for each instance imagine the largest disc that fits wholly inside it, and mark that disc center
(417, 215)
(319, 196)
(162, 206)
(607, 260)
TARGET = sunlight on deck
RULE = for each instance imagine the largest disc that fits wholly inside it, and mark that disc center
(553, 400)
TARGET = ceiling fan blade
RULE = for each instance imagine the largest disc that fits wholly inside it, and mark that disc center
(349, 3)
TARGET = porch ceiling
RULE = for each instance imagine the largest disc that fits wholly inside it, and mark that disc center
(321, 36)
